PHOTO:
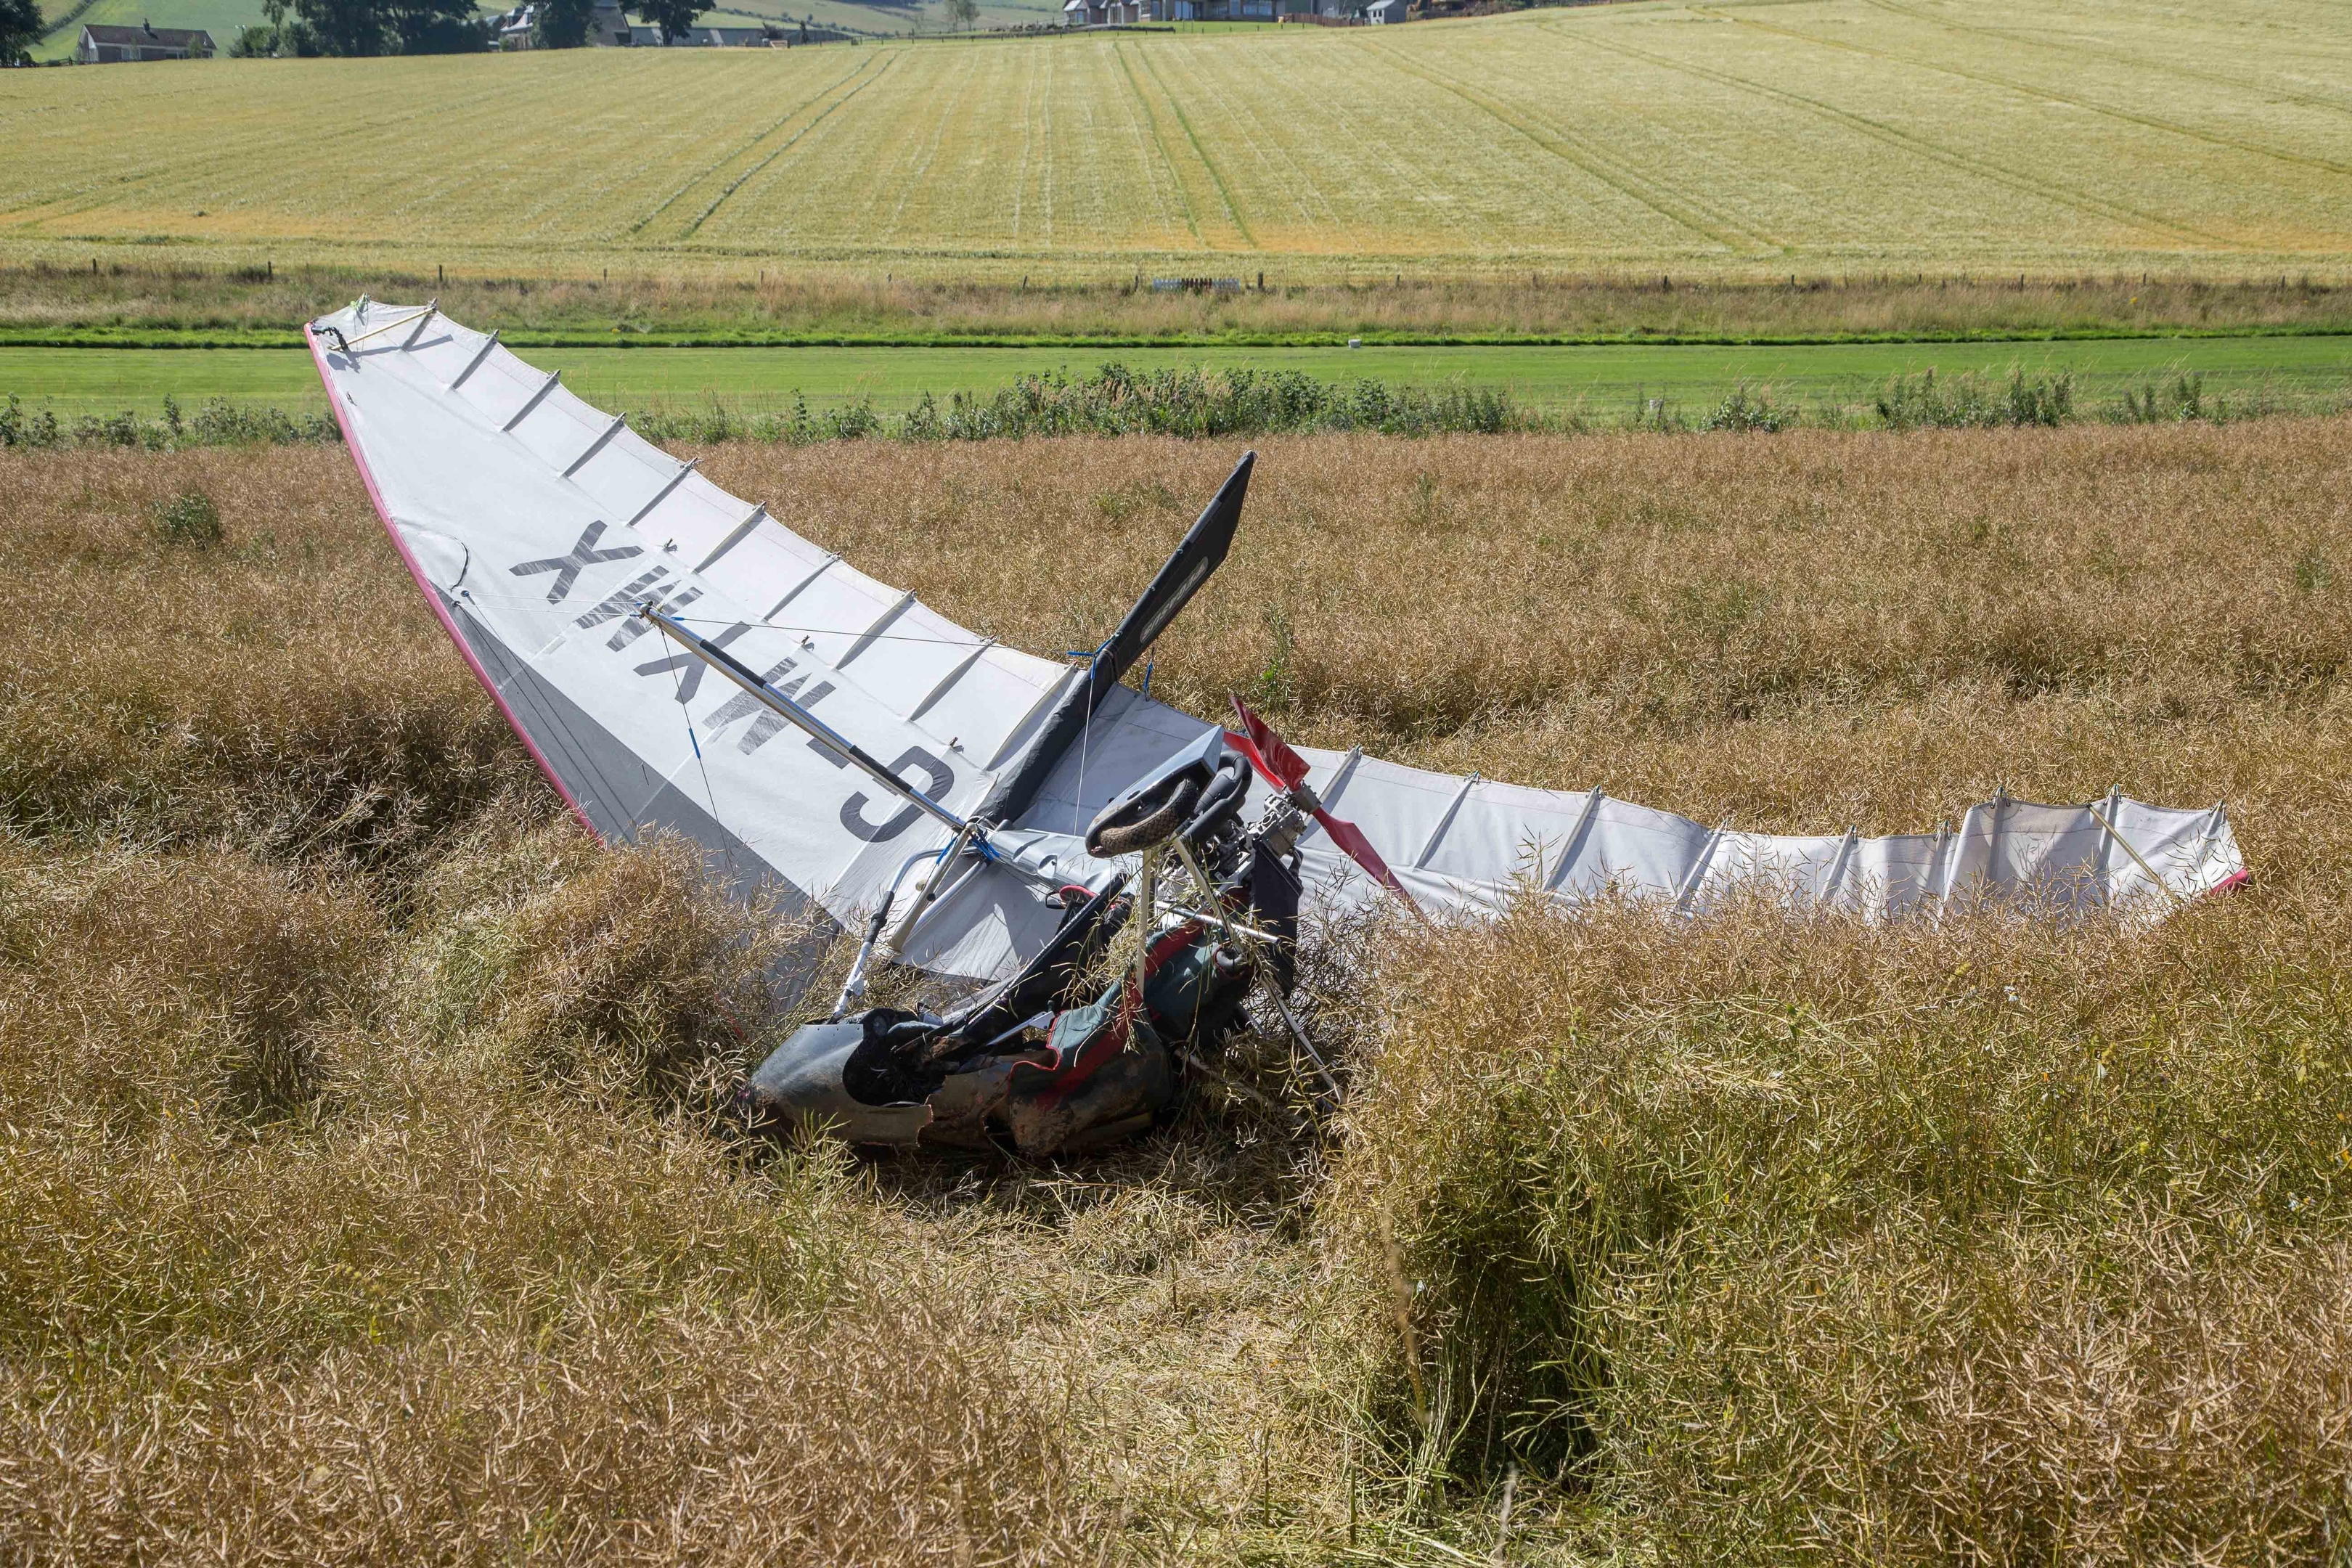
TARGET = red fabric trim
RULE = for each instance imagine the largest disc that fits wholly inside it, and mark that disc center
(2231, 883)
(433, 595)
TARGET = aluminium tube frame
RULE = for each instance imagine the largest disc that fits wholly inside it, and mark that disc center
(784, 708)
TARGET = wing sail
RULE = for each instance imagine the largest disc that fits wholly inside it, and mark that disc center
(535, 524)
(1470, 845)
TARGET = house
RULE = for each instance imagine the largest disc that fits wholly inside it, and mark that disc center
(1215, 10)
(698, 36)
(608, 28)
(106, 46)
(808, 32)
(1104, 13)
(1343, 12)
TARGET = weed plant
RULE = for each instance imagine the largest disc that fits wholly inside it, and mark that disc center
(216, 422)
(722, 301)
(1118, 401)
(188, 517)
(1924, 403)
(1201, 403)
(1745, 410)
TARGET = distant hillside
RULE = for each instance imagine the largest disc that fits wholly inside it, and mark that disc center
(1797, 136)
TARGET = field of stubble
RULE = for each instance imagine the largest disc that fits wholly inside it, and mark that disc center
(359, 1197)
(1808, 136)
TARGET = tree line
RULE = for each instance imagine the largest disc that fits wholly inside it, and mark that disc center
(21, 27)
(310, 28)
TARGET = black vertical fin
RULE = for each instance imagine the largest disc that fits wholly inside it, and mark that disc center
(1203, 551)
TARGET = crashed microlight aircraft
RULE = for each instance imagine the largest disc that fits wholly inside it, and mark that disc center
(677, 660)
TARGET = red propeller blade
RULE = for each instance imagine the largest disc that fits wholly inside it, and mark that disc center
(1350, 837)
(1286, 770)
(1267, 752)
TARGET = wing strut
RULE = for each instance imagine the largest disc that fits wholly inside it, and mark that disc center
(1203, 551)
(784, 708)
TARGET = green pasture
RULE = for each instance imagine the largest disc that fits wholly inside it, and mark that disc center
(2298, 372)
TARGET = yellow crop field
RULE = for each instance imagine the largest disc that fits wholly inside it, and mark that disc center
(1753, 136)
(359, 1202)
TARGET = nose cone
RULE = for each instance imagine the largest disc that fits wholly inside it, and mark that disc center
(800, 1087)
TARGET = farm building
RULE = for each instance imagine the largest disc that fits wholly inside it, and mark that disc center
(106, 46)
(1124, 13)
(609, 27)
(700, 37)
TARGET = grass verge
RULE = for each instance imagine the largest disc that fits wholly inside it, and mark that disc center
(127, 397)
(168, 304)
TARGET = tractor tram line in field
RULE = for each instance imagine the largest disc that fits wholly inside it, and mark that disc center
(2117, 56)
(794, 141)
(2086, 105)
(2051, 94)
(379, 114)
(1147, 123)
(923, 154)
(1713, 226)
(1405, 163)
(1660, 135)
(1878, 130)
(787, 119)
(1208, 164)
(1267, 140)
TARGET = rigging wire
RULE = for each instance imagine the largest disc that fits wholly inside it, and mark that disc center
(678, 686)
(1085, 730)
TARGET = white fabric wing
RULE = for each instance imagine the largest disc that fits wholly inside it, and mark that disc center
(535, 523)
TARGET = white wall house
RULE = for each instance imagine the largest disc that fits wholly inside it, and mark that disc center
(609, 28)
(106, 46)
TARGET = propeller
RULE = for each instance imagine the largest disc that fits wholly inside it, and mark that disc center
(1286, 770)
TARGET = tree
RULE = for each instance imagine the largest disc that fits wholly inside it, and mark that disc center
(965, 14)
(375, 26)
(560, 24)
(438, 27)
(328, 26)
(20, 28)
(674, 17)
